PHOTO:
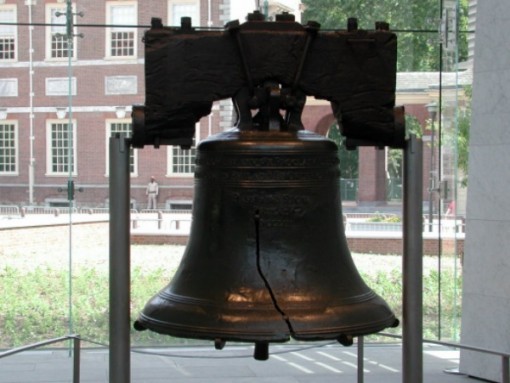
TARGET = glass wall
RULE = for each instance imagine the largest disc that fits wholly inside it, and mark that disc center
(434, 68)
(68, 81)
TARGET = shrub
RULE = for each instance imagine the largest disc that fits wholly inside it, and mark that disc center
(34, 305)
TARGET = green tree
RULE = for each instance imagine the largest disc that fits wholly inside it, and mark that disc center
(394, 165)
(458, 139)
(463, 138)
(416, 23)
(348, 158)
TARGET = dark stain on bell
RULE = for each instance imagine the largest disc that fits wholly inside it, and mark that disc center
(267, 258)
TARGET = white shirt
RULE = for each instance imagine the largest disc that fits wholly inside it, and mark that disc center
(152, 188)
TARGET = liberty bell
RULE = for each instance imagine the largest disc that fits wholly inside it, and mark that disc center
(267, 258)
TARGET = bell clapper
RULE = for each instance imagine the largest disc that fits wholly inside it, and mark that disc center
(345, 340)
(261, 351)
(219, 343)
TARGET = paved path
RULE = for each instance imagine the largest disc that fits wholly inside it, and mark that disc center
(287, 364)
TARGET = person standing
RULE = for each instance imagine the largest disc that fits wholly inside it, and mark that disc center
(152, 194)
(451, 211)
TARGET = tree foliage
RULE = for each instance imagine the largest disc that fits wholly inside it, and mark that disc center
(464, 124)
(348, 158)
(458, 139)
(395, 157)
(416, 23)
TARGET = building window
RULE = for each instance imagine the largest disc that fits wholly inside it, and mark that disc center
(182, 161)
(61, 149)
(58, 43)
(123, 127)
(8, 34)
(9, 87)
(122, 32)
(183, 8)
(121, 85)
(179, 206)
(8, 148)
(59, 86)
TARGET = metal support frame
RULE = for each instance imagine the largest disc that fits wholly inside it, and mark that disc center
(412, 263)
(361, 359)
(412, 268)
(76, 354)
(120, 362)
(412, 338)
(412, 359)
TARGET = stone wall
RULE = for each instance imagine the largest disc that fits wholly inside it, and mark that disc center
(485, 301)
(365, 245)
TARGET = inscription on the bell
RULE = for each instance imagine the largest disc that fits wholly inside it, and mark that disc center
(276, 209)
(318, 161)
(275, 175)
(305, 176)
(267, 168)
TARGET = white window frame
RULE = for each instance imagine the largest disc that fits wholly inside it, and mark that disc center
(9, 87)
(49, 149)
(116, 85)
(109, 15)
(170, 155)
(15, 172)
(134, 152)
(190, 152)
(59, 86)
(14, 34)
(172, 3)
(60, 7)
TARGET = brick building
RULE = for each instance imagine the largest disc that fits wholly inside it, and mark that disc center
(107, 75)
(38, 151)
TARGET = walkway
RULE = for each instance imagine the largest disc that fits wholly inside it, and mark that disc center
(287, 364)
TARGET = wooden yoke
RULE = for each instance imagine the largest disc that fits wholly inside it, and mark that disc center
(266, 65)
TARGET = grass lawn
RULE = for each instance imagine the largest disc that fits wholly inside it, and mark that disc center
(34, 280)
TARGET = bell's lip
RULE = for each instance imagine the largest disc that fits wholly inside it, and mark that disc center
(280, 335)
(248, 323)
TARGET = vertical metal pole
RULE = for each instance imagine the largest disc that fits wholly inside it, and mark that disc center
(31, 163)
(119, 261)
(76, 360)
(70, 158)
(506, 370)
(361, 361)
(432, 182)
(412, 336)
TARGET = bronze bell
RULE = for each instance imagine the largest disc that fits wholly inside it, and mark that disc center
(267, 257)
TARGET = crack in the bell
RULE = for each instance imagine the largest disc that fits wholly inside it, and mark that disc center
(264, 279)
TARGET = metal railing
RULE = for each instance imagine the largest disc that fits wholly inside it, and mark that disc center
(505, 356)
(76, 351)
(9, 210)
(95, 210)
(166, 211)
(169, 219)
(56, 211)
